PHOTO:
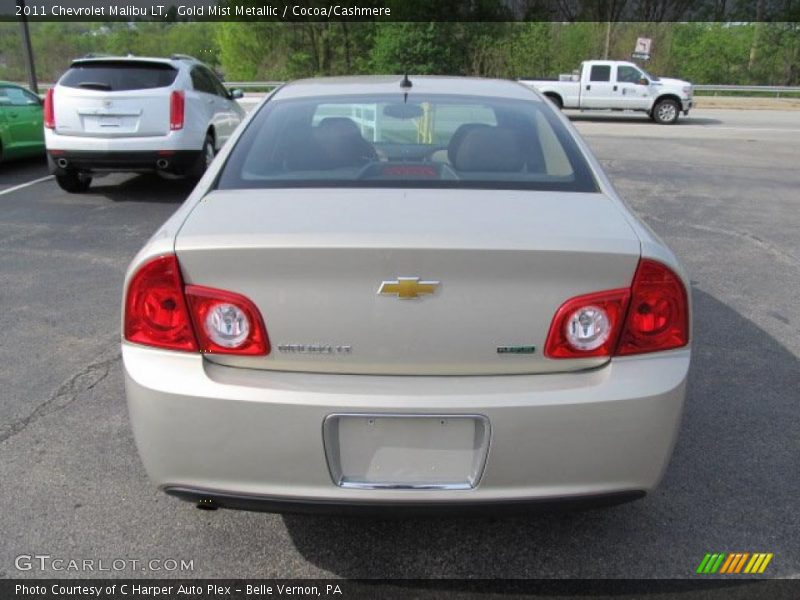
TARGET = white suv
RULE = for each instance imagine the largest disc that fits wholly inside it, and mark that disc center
(168, 115)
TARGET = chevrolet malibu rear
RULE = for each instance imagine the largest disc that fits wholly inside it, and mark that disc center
(393, 293)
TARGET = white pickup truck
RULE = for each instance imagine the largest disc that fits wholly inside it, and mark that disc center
(618, 85)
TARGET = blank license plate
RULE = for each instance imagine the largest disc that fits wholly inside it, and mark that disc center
(406, 451)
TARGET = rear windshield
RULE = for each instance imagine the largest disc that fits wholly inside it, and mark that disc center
(384, 141)
(119, 76)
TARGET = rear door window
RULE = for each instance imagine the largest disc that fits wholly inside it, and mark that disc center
(119, 76)
(219, 89)
(202, 82)
(600, 73)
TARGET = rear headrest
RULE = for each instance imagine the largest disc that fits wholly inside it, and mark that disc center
(487, 149)
(341, 144)
(458, 137)
(337, 126)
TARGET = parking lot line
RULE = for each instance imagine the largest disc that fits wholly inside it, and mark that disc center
(24, 185)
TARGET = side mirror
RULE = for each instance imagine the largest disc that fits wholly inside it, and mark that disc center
(236, 94)
(644, 81)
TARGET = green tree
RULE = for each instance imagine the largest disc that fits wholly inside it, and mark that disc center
(421, 48)
(713, 52)
(244, 48)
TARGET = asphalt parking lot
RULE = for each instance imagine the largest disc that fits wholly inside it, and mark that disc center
(721, 187)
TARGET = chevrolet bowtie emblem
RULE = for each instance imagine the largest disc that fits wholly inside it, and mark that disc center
(407, 288)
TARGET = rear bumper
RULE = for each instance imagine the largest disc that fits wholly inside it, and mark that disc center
(170, 161)
(253, 439)
(182, 139)
(211, 500)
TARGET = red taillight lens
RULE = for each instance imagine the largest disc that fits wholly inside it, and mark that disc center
(176, 110)
(658, 318)
(587, 325)
(652, 316)
(226, 323)
(49, 110)
(161, 312)
(155, 310)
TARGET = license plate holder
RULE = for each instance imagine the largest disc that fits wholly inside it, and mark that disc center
(389, 451)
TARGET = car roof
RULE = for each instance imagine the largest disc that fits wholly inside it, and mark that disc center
(420, 84)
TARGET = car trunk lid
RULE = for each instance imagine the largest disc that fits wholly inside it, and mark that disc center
(498, 265)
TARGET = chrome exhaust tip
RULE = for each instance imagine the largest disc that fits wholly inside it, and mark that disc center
(162, 163)
(62, 162)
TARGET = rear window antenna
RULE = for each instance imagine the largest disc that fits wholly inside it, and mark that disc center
(405, 85)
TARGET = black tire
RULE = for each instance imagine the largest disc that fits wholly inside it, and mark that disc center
(556, 100)
(206, 156)
(666, 111)
(73, 182)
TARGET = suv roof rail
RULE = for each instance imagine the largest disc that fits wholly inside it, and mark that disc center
(97, 55)
(183, 57)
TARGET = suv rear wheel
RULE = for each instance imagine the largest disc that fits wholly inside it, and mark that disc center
(73, 181)
(206, 156)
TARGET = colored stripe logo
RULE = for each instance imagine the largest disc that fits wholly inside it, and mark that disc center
(734, 563)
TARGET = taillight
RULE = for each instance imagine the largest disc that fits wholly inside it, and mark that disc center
(161, 312)
(155, 309)
(226, 323)
(658, 317)
(588, 325)
(176, 110)
(651, 316)
(49, 110)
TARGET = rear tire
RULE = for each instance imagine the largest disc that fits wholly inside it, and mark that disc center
(666, 112)
(206, 156)
(73, 182)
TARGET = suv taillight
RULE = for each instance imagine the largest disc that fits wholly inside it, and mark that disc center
(161, 312)
(49, 110)
(177, 105)
(652, 315)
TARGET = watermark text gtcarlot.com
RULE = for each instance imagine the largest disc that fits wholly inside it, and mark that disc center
(46, 562)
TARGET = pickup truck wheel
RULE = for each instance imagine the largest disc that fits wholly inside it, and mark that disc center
(666, 112)
(73, 182)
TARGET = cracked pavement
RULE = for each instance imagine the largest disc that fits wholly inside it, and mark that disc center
(720, 187)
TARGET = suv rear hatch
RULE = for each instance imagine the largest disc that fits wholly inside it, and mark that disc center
(313, 261)
(114, 98)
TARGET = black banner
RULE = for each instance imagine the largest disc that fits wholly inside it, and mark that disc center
(398, 10)
(236, 589)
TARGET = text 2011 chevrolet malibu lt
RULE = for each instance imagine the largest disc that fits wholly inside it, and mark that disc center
(394, 293)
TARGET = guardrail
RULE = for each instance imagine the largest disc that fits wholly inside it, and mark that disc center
(243, 85)
(752, 89)
(755, 89)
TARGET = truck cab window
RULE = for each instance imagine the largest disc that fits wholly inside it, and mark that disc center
(600, 73)
(626, 74)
